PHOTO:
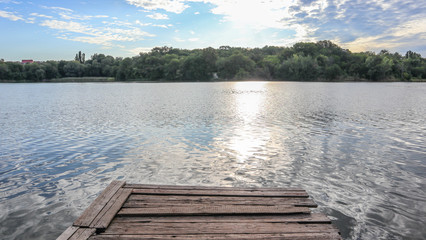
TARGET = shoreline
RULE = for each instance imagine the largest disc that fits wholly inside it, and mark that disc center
(111, 80)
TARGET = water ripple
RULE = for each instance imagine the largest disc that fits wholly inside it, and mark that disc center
(357, 148)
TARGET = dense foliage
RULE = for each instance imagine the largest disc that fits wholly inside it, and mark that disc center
(323, 60)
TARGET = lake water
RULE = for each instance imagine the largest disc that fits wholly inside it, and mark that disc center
(359, 149)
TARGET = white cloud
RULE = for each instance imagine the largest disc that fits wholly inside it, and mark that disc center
(385, 4)
(314, 8)
(100, 16)
(410, 28)
(252, 13)
(70, 16)
(10, 1)
(58, 9)
(30, 20)
(118, 23)
(245, 15)
(136, 51)
(407, 35)
(142, 24)
(41, 15)
(154, 25)
(88, 39)
(104, 36)
(160, 25)
(177, 39)
(10, 16)
(158, 16)
(196, 13)
(129, 34)
(175, 6)
(69, 27)
(340, 8)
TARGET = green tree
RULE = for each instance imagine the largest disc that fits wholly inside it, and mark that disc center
(79, 57)
(379, 67)
(306, 48)
(195, 68)
(237, 63)
(125, 70)
(299, 68)
(4, 71)
(172, 70)
(16, 71)
(209, 58)
(267, 67)
(34, 72)
(51, 69)
(74, 69)
(333, 72)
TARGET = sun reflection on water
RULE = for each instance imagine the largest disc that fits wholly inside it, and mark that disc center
(249, 136)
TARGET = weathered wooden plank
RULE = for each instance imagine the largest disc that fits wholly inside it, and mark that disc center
(137, 200)
(214, 188)
(220, 193)
(156, 198)
(110, 210)
(106, 208)
(156, 205)
(96, 207)
(68, 233)
(212, 210)
(86, 234)
(217, 228)
(295, 218)
(82, 234)
(293, 236)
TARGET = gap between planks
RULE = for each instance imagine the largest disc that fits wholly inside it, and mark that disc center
(236, 193)
(216, 228)
(297, 218)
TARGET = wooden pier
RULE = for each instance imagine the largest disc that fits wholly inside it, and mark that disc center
(135, 211)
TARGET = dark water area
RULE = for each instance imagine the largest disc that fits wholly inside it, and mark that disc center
(357, 148)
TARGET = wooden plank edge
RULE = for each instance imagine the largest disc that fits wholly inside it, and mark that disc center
(67, 233)
(87, 217)
(151, 205)
(314, 236)
(219, 228)
(109, 215)
(87, 233)
(189, 187)
(106, 208)
(305, 218)
(83, 234)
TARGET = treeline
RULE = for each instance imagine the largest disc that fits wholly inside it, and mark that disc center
(320, 61)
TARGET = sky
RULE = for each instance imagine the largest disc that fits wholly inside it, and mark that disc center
(58, 29)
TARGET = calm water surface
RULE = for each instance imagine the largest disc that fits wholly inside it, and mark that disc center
(357, 148)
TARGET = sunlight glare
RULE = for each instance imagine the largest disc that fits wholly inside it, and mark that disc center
(250, 137)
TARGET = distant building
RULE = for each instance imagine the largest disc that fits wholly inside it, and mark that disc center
(27, 61)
